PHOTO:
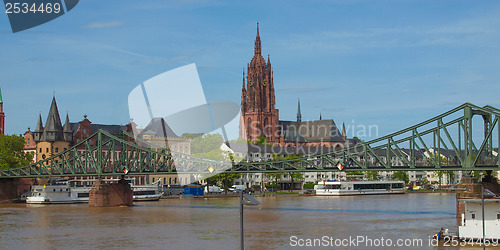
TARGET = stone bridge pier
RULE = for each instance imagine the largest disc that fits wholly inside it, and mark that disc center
(111, 194)
(11, 189)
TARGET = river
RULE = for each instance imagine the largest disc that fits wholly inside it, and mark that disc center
(281, 222)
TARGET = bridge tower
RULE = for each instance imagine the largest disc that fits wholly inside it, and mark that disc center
(258, 107)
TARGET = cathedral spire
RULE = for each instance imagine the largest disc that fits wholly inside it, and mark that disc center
(299, 115)
(258, 46)
(2, 115)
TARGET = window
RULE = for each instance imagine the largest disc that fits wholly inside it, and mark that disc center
(40, 150)
(28, 141)
(473, 216)
(47, 150)
(498, 216)
(169, 180)
(57, 150)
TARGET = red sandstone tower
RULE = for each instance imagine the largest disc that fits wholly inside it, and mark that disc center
(259, 115)
(2, 116)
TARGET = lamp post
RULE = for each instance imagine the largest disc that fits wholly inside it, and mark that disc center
(250, 201)
(482, 216)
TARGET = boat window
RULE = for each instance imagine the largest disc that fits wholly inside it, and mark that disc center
(498, 216)
(473, 216)
(54, 190)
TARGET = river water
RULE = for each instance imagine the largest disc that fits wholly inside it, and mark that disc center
(281, 222)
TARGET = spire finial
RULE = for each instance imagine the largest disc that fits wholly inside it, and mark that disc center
(299, 115)
(320, 116)
(258, 47)
(54, 92)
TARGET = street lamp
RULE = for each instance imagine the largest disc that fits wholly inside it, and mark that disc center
(249, 201)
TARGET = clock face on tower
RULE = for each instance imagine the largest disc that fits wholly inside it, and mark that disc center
(250, 82)
(43, 156)
(265, 82)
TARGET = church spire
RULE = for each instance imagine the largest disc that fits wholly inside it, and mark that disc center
(344, 132)
(258, 46)
(299, 115)
(320, 117)
(37, 134)
(2, 115)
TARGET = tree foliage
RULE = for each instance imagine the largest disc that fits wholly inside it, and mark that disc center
(224, 179)
(372, 175)
(206, 143)
(12, 153)
(400, 175)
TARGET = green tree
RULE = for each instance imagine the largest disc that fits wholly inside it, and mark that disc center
(274, 177)
(353, 175)
(206, 143)
(295, 176)
(400, 175)
(225, 179)
(372, 175)
(12, 153)
(261, 140)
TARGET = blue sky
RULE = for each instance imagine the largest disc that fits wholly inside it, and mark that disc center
(388, 63)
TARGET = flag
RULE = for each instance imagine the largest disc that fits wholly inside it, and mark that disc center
(340, 166)
(125, 170)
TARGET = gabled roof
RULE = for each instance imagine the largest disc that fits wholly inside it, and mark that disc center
(311, 131)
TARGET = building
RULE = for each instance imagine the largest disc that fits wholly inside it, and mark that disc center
(30, 144)
(2, 115)
(260, 118)
(53, 138)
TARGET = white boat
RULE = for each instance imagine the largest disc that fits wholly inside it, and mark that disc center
(146, 192)
(339, 188)
(471, 228)
(58, 193)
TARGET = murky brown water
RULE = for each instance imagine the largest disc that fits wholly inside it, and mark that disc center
(214, 223)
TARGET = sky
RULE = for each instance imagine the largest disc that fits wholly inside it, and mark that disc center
(387, 63)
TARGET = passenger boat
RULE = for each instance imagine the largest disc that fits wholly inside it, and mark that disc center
(339, 188)
(58, 193)
(146, 192)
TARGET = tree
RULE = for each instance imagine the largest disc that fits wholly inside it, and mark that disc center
(206, 143)
(295, 176)
(372, 175)
(12, 153)
(276, 176)
(225, 179)
(400, 175)
(353, 175)
(261, 140)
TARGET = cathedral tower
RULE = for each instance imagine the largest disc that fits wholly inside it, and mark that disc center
(259, 115)
(2, 115)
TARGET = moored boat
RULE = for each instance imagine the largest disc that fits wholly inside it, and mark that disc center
(339, 188)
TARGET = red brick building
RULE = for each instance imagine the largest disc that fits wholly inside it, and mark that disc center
(2, 116)
(259, 116)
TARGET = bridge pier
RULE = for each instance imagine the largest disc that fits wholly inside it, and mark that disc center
(111, 194)
(12, 188)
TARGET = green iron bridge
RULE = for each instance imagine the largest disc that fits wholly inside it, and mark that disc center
(444, 142)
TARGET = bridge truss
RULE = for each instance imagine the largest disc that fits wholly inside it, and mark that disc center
(444, 142)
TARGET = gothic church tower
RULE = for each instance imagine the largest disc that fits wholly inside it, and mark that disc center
(259, 115)
(2, 116)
